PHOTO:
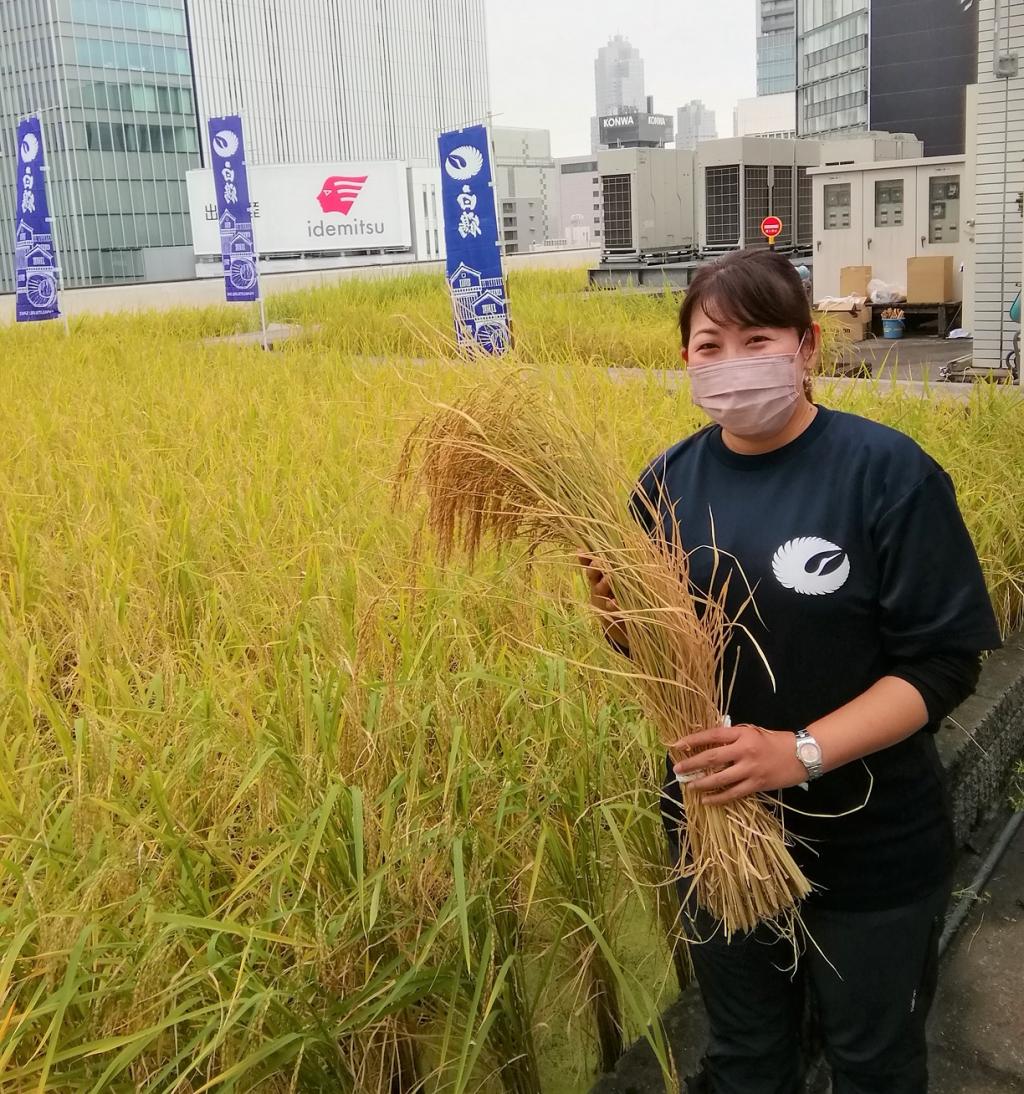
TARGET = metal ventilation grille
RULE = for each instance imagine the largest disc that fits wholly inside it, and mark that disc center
(782, 203)
(755, 204)
(804, 207)
(723, 205)
(618, 212)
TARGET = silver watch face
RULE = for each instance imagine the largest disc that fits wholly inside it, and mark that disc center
(808, 752)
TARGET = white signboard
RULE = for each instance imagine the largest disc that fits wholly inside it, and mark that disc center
(310, 207)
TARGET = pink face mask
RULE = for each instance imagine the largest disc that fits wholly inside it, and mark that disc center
(749, 396)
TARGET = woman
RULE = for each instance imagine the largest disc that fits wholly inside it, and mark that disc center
(872, 614)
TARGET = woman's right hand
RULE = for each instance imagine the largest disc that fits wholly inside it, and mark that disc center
(603, 600)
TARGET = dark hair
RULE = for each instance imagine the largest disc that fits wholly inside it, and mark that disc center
(748, 289)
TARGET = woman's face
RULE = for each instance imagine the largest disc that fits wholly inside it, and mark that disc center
(711, 343)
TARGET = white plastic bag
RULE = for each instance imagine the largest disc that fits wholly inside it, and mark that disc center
(881, 292)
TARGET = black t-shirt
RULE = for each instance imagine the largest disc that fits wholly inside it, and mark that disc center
(858, 558)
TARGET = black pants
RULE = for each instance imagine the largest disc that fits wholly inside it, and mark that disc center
(871, 1006)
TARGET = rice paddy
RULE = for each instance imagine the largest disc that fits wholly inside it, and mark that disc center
(286, 801)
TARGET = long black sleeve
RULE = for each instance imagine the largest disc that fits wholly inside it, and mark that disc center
(944, 680)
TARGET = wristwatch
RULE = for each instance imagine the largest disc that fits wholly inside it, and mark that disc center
(808, 752)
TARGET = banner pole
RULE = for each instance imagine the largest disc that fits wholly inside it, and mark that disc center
(63, 310)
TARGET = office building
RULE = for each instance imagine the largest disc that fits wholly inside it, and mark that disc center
(112, 84)
(924, 54)
(897, 65)
(320, 80)
(766, 116)
(527, 184)
(580, 206)
(776, 47)
(618, 83)
(124, 88)
(694, 123)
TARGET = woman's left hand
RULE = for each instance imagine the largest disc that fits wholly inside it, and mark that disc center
(741, 760)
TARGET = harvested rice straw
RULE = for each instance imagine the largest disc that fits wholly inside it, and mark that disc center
(507, 462)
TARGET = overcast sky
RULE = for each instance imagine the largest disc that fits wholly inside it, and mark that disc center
(542, 58)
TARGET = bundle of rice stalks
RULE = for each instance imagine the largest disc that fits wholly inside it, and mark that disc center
(508, 463)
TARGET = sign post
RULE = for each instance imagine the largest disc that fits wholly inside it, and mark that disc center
(770, 228)
(476, 279)
(234, 214)
(36, 274)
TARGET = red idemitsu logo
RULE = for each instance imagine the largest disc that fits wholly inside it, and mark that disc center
(339, 193)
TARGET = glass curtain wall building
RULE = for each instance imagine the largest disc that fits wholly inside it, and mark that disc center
(832, 66)
(112, 83)
(776, 46)
(898, 66)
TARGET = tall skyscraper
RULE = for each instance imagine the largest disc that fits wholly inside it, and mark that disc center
(112, 83)
(899, 66)
(124, 88)
(618, 77)
(776, 46)
(326, 79)
(618, 82)
(694, 123)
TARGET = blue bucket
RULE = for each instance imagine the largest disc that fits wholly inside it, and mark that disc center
(892, 329)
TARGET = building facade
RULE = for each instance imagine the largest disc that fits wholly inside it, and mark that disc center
(766, 116)
(123, 90)
(832, 66)
(618, 83)
(112, 84)
(776, 46)
(893, 65)
(527, 184)
(996, 144)
(918, 79)
(694, 123)
(319, 80)
(618, 78)
(580, 204)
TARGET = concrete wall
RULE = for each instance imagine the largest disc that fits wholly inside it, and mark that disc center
(205, 294)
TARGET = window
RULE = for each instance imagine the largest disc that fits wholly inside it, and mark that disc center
(889, 203)
(837, 205)
(944, 209)
(130, 15)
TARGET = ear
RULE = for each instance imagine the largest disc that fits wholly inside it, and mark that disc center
(684, 355)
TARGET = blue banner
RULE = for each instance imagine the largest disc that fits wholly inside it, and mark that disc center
(475, 277)
(35, 259)
(234, 210)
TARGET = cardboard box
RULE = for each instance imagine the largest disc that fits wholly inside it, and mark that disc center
(857, 327)
(853, 280)
(930, 280)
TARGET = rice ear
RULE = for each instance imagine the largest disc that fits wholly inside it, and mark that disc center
(508, 462)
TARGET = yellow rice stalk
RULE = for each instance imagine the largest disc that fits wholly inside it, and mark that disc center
(508, 462)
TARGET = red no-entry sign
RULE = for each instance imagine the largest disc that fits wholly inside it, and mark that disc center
(771, 227)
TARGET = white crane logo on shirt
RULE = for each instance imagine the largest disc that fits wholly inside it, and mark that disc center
(811, 566)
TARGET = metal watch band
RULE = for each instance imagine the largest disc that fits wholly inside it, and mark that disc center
(813, 767)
